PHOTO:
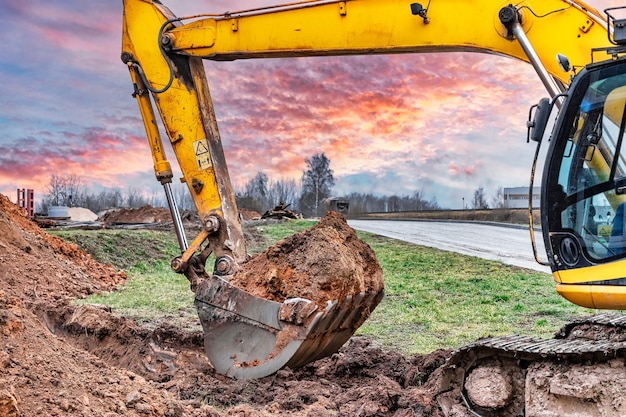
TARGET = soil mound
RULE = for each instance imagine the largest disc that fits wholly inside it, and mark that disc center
(145, 214)
(40, 375)
(149, 214)
(81, 214)
(247, 214)
(37, 265)
(327, 262)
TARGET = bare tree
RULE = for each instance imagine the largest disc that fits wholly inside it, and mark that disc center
(155, 197)
(317, 184)
(257, 187)
(134, 198)
(63, 190)
(286, 191)
(255, 195)
(498, 200)
(368, 203)
(184, 201)
(107, 199)
(479, 199)
(392, 203)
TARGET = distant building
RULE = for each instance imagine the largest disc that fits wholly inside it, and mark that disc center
(517, 197)
(26, 200)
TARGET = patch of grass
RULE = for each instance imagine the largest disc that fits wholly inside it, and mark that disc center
(152, 291)
(151, 297)
(434, 299)
(125, 249)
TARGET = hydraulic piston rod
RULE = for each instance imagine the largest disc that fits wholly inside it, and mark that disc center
(510, 18)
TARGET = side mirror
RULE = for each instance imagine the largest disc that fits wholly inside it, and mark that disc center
(538, 120)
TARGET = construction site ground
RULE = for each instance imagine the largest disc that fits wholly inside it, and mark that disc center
(63, 359)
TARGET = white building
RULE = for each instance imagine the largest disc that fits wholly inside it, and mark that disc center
(517, 197)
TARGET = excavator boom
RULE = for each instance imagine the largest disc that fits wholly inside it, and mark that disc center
(322, 28)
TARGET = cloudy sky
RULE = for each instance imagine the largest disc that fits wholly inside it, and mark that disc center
(443, 124)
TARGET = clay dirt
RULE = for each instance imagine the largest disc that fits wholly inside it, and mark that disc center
(62, 359)
(326, 262)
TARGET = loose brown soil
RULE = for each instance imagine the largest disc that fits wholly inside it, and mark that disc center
(145, 214)
(325, 263)
(58, 359)
(149, 214)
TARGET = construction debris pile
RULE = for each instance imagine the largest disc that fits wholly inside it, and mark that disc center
(280, 211)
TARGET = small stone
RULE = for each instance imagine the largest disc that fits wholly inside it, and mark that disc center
(132, 398)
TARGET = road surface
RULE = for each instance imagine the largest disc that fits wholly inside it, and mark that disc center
(509, 245)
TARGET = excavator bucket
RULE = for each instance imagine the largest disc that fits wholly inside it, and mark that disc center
(298, 301)
(250, 337)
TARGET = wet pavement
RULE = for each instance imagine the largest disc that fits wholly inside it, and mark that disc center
(505, 243)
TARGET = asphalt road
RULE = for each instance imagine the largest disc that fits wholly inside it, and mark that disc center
(506, 244)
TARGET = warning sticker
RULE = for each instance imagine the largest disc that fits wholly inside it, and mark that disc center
(203, 156)
(605, 230)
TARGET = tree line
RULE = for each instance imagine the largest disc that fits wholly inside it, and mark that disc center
(308, 196)
(69, 190)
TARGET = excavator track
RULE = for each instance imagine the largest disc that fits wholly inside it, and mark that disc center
(513, 376)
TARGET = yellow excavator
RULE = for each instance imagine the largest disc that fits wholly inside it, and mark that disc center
(577, 54)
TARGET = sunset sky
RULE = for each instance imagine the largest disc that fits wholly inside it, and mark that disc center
(443, 124)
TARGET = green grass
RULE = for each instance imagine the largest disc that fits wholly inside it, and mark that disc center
(437, 299)
(152, 292)
(151, 297)
(433, 299)
(266, 233)
(126, 249)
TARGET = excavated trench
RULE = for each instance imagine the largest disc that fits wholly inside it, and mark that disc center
(362, 379)
(158, 355)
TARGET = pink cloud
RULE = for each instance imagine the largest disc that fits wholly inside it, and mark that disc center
(469, 170)
(453, 169)
(415, 114)
(94, 155)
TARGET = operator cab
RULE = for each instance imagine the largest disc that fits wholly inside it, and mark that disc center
(583, 196)
(585, 177)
